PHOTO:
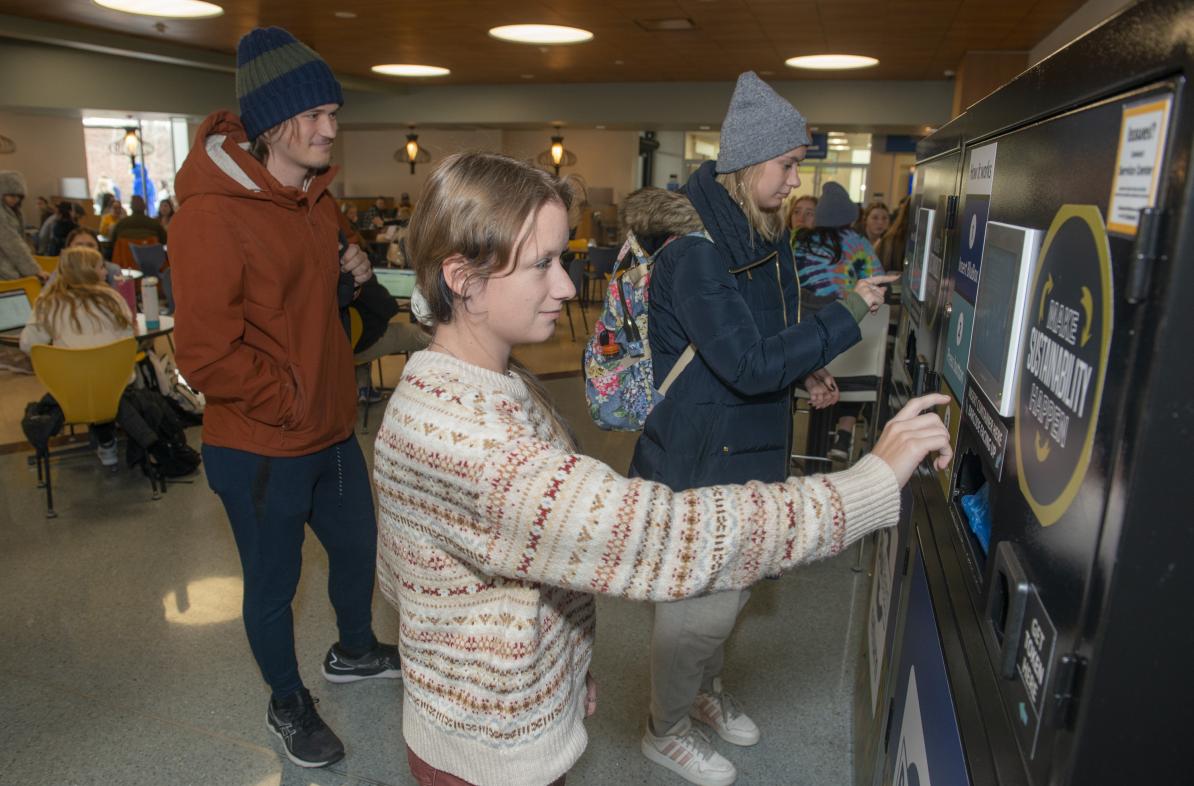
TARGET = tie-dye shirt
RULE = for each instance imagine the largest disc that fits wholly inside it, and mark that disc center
(821, 275)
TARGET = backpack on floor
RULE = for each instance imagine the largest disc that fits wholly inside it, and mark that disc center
(158, 372)
(619, 379)
(174, 457)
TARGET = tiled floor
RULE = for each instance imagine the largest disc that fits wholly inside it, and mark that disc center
(125, 662)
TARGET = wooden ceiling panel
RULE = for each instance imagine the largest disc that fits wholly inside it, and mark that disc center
(911, 38)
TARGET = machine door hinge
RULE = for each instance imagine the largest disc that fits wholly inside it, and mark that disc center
(1146, 252)
(1065, 688)
(951, 211)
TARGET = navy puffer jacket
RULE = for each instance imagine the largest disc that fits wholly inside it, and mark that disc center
(727, 418)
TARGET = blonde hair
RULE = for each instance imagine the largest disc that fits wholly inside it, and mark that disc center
(475, 205)
(76, 286)
(767, 224)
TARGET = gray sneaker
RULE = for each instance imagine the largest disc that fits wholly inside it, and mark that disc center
(686, 751)
(721, 712)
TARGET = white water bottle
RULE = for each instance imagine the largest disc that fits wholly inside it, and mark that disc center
(149, 302)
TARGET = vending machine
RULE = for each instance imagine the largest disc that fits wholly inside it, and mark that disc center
(1039, 616)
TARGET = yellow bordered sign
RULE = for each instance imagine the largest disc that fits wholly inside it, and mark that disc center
(1139, 159)
(1064, 363)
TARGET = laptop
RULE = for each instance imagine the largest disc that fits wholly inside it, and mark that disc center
(399, 283)
(14, 310)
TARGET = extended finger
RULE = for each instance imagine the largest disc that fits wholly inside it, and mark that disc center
(886, 278)
(917, 405)
(922, 421)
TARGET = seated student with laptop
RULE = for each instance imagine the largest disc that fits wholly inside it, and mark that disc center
(79, 311)
(380, 336)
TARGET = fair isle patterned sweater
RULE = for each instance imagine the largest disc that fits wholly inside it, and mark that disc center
(493, 539)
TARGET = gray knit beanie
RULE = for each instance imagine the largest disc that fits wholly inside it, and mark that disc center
(759, 126)
(835, 208)
(12, 183)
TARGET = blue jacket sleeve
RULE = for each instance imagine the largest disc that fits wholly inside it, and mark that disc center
(719, 324)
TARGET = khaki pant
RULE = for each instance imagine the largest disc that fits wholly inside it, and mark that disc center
(688, 651)
(400, 336)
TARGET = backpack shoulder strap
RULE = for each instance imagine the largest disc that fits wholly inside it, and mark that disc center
(681, 363)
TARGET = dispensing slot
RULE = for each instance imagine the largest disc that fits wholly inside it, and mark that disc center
(972, 491)
(1007, 600)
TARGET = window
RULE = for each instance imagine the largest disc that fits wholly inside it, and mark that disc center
(110, 169)
(846, 162)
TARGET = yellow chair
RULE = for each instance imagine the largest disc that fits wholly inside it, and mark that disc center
(48, 264)
(579, 246)
(31, 285)
(356, 326)
(87, 384)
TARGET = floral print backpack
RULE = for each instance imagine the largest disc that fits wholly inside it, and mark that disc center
(619, 380)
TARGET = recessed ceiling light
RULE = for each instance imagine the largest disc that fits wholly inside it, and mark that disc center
(541, 34)
(168, 9)
(345, 15)
(409, 69)
(831, 62)
(703, 128)
(661, 25)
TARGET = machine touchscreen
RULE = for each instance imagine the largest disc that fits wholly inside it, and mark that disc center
(917, 278)
(1009, 261)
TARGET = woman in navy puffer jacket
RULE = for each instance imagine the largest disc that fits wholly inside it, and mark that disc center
(734, 297)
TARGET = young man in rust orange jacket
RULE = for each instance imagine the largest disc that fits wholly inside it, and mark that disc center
(257, 261)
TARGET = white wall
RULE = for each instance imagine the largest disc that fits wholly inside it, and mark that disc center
(669, 158)
(605, 159)
(49, 148)
(368, 168)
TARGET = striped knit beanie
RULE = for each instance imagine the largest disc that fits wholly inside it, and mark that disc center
(278, 77)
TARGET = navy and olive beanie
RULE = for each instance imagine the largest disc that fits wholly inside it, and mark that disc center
(278, 77)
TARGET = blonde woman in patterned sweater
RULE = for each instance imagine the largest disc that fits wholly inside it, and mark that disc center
(494, 533)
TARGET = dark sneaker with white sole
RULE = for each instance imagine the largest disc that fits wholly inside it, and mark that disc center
(380, 662)
(308, 740)
(842, 443)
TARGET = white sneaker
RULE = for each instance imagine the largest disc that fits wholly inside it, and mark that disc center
(107, 454)
(721, 712)
(687, 752)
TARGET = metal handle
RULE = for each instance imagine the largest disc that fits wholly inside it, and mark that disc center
(1007, 602)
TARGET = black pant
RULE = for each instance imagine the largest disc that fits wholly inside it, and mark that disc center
(269, 500)
(131, 421)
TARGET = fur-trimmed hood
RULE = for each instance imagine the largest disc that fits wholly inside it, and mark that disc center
(653, 212)
(12, 182)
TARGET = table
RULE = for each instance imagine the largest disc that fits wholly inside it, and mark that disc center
(165, 328)
(12, 338)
